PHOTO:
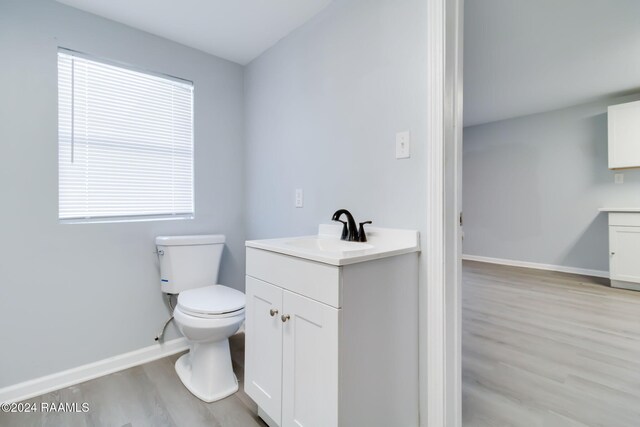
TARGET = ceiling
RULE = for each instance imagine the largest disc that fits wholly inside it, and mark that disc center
(235, 30)
(520, 57)
(528, 56)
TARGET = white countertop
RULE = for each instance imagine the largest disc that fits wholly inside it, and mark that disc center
(619, 209)
(384, 242)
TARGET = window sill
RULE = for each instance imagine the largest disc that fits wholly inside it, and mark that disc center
(117, 219)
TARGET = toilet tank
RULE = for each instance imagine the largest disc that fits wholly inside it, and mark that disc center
(188, 262)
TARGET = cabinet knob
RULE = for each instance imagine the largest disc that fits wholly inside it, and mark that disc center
(285, 317)
(273, 312)
(613, 253)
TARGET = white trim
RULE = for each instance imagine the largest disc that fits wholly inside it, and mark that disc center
(453, 210)
(48, 383)
(538, 266)
(432, 348)
(439, 299)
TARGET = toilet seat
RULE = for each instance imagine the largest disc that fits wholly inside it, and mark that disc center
(214, 301)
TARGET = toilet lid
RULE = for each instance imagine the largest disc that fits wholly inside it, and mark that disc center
(214, 299)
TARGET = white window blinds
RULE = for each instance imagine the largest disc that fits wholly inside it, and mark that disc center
(125, 142)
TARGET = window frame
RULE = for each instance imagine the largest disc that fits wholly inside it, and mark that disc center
(126, 218)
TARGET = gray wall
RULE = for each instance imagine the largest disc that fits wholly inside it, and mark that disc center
(74, 294)
(322, 110)
(532, 187)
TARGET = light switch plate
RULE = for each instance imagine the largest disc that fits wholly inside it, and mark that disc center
(618, 178)
(403, 145)
(299, 198)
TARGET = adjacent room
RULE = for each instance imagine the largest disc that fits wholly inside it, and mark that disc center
(551, 196)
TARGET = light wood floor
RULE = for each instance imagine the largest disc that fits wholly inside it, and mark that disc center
(548, 349)
(538, 349)
(147, 395)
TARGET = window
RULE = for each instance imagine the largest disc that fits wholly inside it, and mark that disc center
(125, 142)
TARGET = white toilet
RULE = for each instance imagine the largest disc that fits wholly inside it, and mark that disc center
(207, 313)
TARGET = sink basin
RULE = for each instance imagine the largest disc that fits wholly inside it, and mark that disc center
(327, 244)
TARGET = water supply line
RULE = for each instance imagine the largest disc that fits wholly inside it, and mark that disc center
(161, 334)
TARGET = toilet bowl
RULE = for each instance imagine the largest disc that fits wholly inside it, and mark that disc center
(207, 313)
(207, 317)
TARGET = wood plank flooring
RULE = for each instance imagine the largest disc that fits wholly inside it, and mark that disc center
(146, 395)
(538, 349)
(548, 349)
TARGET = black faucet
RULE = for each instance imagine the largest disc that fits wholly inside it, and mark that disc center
(349, 229)
(362, 237)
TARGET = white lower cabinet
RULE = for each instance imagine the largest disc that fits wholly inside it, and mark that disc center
(292, 356)
(625, 253)
(331, 346)
(624, 250)
(263, 346)
(309, 363)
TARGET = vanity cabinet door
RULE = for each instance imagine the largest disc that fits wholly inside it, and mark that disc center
(263, 346)
(624, 245)
(310, 363)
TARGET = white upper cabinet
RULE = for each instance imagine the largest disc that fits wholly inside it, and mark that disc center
(624, 135)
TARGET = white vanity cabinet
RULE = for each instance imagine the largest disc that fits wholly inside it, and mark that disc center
(624, 248)
(624, 135)
(332, 345)
(292, 356)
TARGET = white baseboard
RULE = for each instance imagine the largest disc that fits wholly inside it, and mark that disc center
(48, 383)
(526, 264)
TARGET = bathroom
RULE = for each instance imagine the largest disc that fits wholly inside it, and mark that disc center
(302, 170)
(311, 96)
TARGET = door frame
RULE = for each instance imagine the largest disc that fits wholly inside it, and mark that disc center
(440, 290)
